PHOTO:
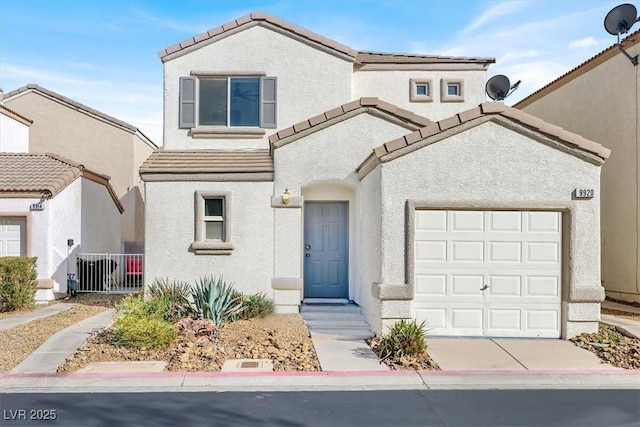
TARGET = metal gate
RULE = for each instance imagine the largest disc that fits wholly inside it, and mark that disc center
(109, 273)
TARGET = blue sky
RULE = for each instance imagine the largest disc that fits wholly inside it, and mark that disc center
(104, 53)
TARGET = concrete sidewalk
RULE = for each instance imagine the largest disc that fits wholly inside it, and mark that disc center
(626, 326)
(63, 344)
(21, 319)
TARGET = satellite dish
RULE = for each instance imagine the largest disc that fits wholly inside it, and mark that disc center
(620, 19)
(499, 87)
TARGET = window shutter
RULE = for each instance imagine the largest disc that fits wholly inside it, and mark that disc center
(268, 108)
(187, 113)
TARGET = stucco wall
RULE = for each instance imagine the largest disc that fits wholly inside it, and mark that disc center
(332, 153)
(169, 216)
(310, 81)
(100, 220)
(371, 245)
(393, 86)
(14, 136)
(602, 104)
(490, 166)
(65, 212)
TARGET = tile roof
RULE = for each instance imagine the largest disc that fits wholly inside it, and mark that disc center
(589, 64)
(253, 19)
(76, 105)
(207, 161)
(15, 115)
(344, 111)
(44, 174)
(480, 114)
(398, 58)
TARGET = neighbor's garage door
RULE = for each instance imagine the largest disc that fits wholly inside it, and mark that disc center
(12, 237)
(488, 273)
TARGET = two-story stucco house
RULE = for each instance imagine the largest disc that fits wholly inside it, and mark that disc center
(297, 166)
(600, 99)
(92, 138)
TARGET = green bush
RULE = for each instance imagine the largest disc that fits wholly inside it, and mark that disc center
(404, 339)
(18, 282)
(257, 305)
(176, 294)
(137, 332)
(217, 300)
(141, 323)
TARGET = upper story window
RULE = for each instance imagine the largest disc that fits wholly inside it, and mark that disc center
(420, 90)
(452, 90)
(227, 101)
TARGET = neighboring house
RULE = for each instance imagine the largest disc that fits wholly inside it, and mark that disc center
(600, 99)
(284, 171)
(46, 200)
(92, 138)
(14, 131)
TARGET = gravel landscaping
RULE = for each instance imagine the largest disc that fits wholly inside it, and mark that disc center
(612, 347)
(283, 338)
(405, 362)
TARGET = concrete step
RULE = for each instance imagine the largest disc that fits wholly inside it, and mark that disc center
(336, 324)
(324, 308)
(344, 334)
(326, 315)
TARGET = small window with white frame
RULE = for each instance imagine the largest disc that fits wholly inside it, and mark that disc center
(420, 90)
(452, 90)
(212, 223)
(214, 218)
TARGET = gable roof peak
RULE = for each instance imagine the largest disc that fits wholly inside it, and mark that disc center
(496, 111)
(408, 118)
(254, 18)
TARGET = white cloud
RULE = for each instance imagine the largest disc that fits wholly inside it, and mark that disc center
(493, 13)
(585, 42)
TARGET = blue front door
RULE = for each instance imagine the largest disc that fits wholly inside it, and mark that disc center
(326, 250)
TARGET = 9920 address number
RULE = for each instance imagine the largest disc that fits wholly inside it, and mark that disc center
(584, 193)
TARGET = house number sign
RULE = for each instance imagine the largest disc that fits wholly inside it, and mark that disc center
(37, 206)
(584, 193)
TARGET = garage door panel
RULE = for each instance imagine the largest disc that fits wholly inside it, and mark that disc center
(543, 286)
(465, 251)
(504, 319)
(431, 251)
(431, 284)
(466, 285)
(467, 318)
(435, 319)
(505, 222)
(465, 221)
(547, 252)
(505, 251)
(541, 319)
(510, 286)
(543, 222)
(431, 221)
(516, 254)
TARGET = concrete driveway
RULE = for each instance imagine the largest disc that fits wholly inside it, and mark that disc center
(511, 354)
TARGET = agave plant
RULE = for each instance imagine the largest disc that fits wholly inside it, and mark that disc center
(216, 299)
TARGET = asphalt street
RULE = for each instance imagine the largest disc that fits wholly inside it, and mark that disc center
(326, 408)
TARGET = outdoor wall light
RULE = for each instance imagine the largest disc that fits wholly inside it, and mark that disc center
(286, 197)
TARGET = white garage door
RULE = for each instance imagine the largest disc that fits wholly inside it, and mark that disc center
(12, 237)
(488, 273)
